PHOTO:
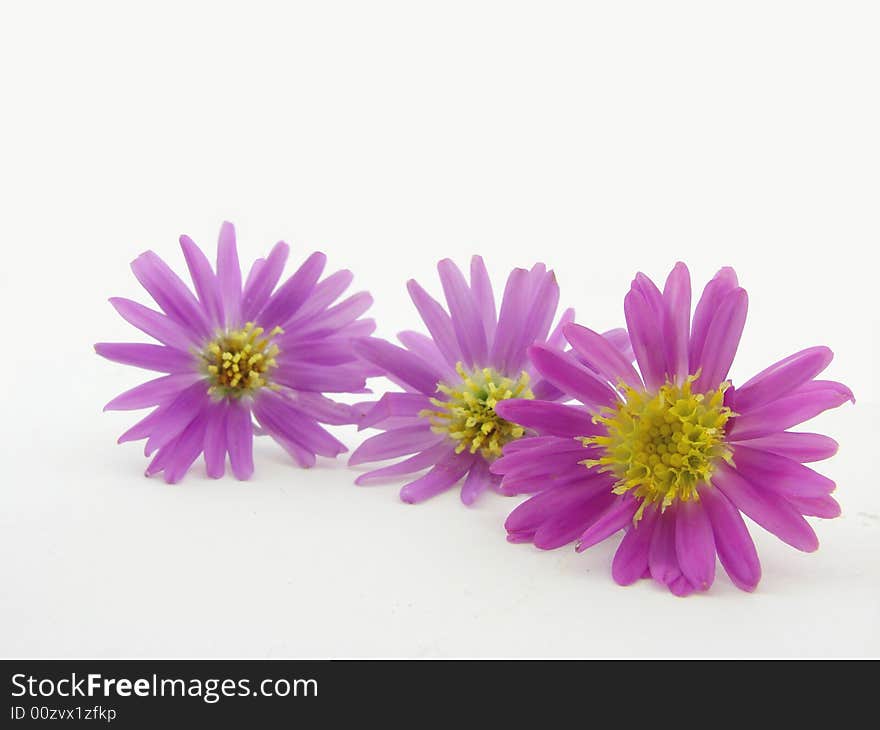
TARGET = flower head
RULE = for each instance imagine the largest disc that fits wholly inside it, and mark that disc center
(673, 454)
(237, 351)
(445, 419)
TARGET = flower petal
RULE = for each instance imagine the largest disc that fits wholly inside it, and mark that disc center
(437, 321)
(215, 439)
(645, 333)
(784, 476)
(719, 287)
(404, 365)
(736, 551)
(156, 325)
(766, 508)
(466, 318)
(676, 321)
(476, 482)
(481, 287)
(240, 440)
(152, 393)
(548, 419)
(631, 559)
(802, 447)
(392, 405)
(396, 442)
(445, 473)
(599, 353)
(618, 515)
(293, 293)
(695, 544)
(722, 339)
(571, 377)
(514, 308)
(170, 293)
(781, 378)
(417, 462)
(260, 285)
(150, 357)
(204, 279)
(229, 276)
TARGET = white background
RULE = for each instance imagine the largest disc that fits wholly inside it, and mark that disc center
(601, 139)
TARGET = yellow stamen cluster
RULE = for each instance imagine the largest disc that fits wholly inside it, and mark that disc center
(662, 446)
(468, 415)
(237, 361)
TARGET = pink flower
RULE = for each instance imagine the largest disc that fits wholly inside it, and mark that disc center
(236, 351)
(672, 454)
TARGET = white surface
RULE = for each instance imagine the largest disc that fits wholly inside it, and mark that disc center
(601, 141)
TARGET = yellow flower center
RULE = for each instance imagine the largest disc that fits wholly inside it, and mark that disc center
(237, 362)
(469, 417)
(661, 446)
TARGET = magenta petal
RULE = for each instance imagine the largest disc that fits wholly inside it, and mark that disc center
(802, 447)
(446, 473)
(204, 279)
(695, 544)
(557, 500)
(156, 325)
(176, 415)
(770, 511)
(437, 321)
(215, 440)
(240, 440)
(534, 328)
(613, 519)
(280, 419)
(662, 557)
(631, 559)
(150, 357)
(644, 326)
(722, 339)
(466, 318)
(825, 506)
(722, 284)
(186, 450)
(323, 294)
(290, 296)
(476, 482)
(396, 442)
(784, 476)
(618, 338)
(736, 551)
(548, 419)
(152, 393)
(599, 352)
(229, 275)
(781, 378)
(321, 408)
(571, 377)
(481, 287)
(804, 403)
(263, 280)
(569, 524)
(677, 320)
(396, 361)
(331, 320)
(417, 462)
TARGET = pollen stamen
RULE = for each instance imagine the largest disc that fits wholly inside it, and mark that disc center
(468, 414)
(237, 362)
(661, 447)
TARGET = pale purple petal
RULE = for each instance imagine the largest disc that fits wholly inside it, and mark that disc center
(722, 339)
(446, 473)
(396, 442)
(170, 293)
(804, 403)
(187, 449)
(514, 308)
(766, 508)
(563, 371)
(825, 506)
(156, 325)
(347, 378)
(392, 405)
(417, 462)
(568, 525)
(467, 320)
(263, 280)
(152, 393)
(333, 319)
(320, 408)
(229, 276)
(322, 296)
(556, 339)
(476, 482)
(536, 325)
(280, 419)
(150, 357)
(406, 366)
(619, 339)
(240, 440)
(425, 348)
(802, 447)
(781, 378)
(721, 284)
(215, 440)
(176, 415)
(734, 545)
(204, 279)
(481, 287)
(599, 353)
(437, 321)
(291, 295)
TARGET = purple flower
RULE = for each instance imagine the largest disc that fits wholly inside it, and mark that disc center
(237, 351)
(445, 419)
(674, 453)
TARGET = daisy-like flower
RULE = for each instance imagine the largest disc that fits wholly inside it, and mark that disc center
(474, 359)
(672, 454)
(236, 351)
